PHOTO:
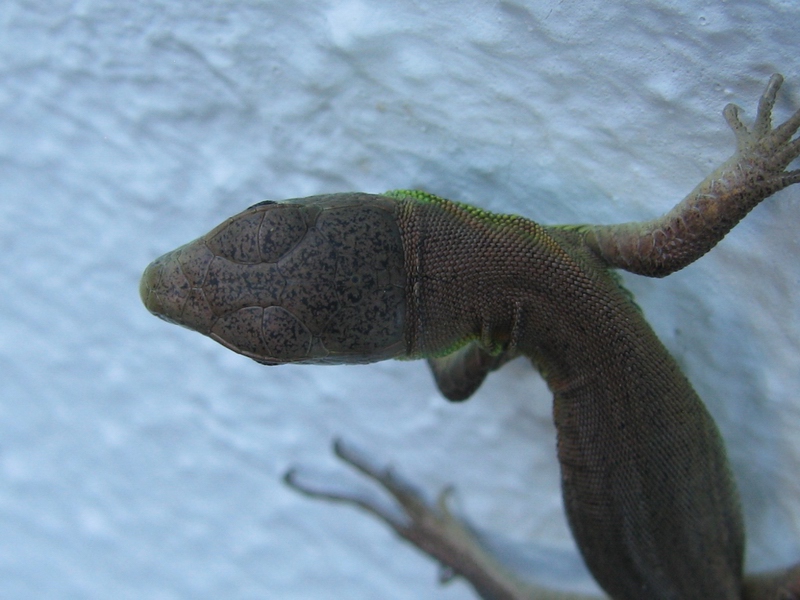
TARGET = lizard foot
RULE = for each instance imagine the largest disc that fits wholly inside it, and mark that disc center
(763, 153)
(431, 527)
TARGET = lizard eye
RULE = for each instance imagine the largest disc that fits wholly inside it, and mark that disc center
(262, 203)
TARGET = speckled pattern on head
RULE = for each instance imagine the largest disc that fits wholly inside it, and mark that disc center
(310, 280)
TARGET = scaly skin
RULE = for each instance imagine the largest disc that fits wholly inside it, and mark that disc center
(357, 277)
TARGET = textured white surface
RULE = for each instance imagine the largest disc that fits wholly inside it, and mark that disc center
(141, 460)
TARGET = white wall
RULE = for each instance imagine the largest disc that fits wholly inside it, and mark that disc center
(141, 460)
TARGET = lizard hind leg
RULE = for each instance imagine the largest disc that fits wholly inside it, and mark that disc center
(431, 527)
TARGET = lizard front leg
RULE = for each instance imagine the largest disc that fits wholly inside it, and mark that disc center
(756, 171)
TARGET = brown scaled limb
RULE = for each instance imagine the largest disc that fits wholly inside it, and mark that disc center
(757, 170)
(431, 528)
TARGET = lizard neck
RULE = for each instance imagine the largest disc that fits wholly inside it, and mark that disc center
(507, 282)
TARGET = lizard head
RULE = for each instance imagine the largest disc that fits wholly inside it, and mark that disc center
(310, 280)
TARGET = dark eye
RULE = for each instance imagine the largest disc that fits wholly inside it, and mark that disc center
(262, 203)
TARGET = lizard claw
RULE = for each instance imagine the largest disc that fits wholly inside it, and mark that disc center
(766, 103)
(762, 152)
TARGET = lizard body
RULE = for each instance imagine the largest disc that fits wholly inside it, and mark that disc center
(357, 277)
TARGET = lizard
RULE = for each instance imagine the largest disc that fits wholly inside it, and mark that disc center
(357, 278)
